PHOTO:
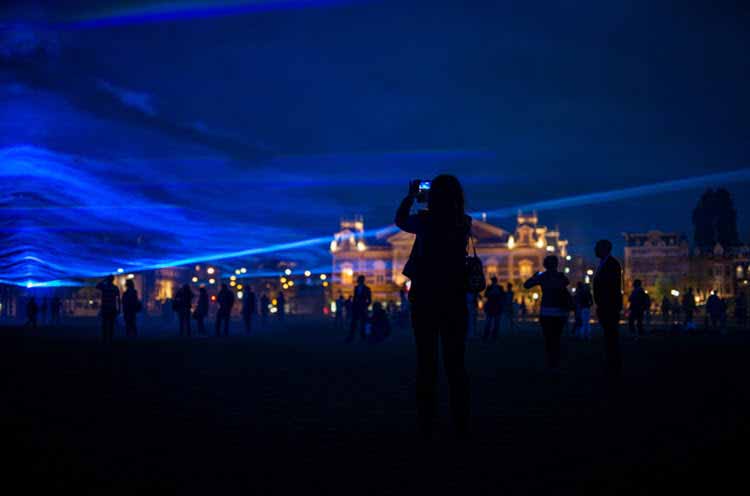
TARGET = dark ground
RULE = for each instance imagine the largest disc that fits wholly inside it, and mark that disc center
(295, 410)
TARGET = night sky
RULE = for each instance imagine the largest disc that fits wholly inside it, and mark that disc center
(139, 134)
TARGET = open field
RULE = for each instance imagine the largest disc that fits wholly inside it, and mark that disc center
(292, 409)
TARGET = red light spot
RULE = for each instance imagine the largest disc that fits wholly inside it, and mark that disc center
(326, 310)
(213, 297)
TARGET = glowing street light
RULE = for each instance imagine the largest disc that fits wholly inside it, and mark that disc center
(323, 277)
(232, 278)
(212, 281)
(210, 270)
(288, 272)
(243, 270)
(120, 270)
(290, 283)
(308, 273)
(674, 293)
(590, 272)
(194, 279)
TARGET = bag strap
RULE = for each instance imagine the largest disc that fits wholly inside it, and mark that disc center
(473, 244)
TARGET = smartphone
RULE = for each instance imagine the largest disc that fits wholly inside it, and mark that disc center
(423, 190)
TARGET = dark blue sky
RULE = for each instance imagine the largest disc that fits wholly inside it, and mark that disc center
(272, 123)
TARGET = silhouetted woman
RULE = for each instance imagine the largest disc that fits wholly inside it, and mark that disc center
(437, 296)
(130, 307)
(555, 307)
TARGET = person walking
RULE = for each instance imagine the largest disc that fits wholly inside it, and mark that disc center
(583, 302)
(248, 309)
(555, 307)
(360, 303)
(130, 308)
(201, 310)
(225, 299)
(494, 297)
(638, 301)
(437, 297)
(608, 299)
(109, 307)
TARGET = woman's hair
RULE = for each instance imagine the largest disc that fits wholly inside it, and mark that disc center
(551, 262)
(446, 197)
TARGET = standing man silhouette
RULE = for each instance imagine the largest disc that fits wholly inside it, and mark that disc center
(360, 303)
(638, 303)
(225, 299)
(248, 309)
(110, 307)
(608, 299)
(130, 308)
(184, 308)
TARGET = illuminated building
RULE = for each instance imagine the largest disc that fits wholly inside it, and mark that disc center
(510, 256)
(661, 260)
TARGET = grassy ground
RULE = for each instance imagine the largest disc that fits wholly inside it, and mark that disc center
(293, 409)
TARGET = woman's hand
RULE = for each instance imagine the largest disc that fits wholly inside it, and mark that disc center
(413, 188)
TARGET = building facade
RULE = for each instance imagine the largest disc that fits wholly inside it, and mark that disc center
(661, 260)
(511, 256)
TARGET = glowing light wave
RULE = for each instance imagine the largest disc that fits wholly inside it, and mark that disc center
(170, 11)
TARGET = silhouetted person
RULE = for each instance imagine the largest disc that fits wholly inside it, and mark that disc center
(201, 310)
(380, 326)
(340, 302)
(638, 301)
(44, 310)
(714, 311)
(130, 308)
(281, 305)
(494, 297)
(666, 309)
(688, 309)
(184, 301)
(740, 310)
(360, 303)
(437, 296)
(508, 308)
(248, 309)
(608, 299)
(56, 310)
(583, 302)
(109, 308)
(556, 304)
(32, 310)
(225, 298)
(264, 302)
